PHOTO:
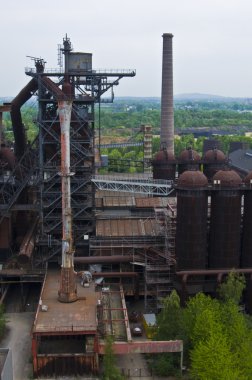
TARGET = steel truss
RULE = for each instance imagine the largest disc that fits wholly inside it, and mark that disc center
(134, 185)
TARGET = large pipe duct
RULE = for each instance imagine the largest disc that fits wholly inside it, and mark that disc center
(105, 259)
(16, 118)
(67, 291)
(28, 244)
(167, 116)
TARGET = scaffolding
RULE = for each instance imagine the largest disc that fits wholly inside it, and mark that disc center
(159, 264)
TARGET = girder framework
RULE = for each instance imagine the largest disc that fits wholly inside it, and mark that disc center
(134, 185)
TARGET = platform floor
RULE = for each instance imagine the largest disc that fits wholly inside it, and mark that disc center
(79, 316)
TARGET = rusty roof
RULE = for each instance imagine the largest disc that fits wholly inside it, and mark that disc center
(79, 316)
(121, 201)
(152, 202)
(126, 227)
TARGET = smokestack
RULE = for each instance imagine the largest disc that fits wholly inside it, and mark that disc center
(167, 117)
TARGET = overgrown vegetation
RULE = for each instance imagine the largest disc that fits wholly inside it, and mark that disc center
(2, 321)
(217, 336)
(110, 371)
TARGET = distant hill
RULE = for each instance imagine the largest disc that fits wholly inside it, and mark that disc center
(208, 98)
(193, 97)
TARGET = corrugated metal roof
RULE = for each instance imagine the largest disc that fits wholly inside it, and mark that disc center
(126, 227)
(152, 202)
(118, 201)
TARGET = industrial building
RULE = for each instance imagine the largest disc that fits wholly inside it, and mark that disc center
(94, 240)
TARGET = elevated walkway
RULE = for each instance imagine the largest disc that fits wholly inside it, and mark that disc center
(133, 185)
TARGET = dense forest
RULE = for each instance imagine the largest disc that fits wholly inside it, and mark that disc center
(121, 121)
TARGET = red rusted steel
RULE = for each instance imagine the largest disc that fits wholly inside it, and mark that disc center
(7, 155)
(214, 160)
(66, 364)
(16, 118)
(68, 290)
(27, 245)
(115, 274)
(191, 231)
(104, 259)
(211, 272)
(164, 165)
(142, 347)
(52, 87)
(225, 221)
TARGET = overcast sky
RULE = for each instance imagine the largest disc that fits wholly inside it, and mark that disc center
(212, 44)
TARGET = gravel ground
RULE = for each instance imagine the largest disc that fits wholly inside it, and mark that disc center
(18, 339)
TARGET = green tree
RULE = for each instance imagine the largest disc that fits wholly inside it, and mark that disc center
(111, 372)
(212, 359)
(232, 288)
(169, 321)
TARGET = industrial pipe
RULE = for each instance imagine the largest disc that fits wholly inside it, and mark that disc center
(68, 290)
(115, 274)
(16, 118)
(211, 272)
(167, 117)
(104, 259)
(27, 245)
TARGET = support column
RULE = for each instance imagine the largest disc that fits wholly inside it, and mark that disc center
(68, 290)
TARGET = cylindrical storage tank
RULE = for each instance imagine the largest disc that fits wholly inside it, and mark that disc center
(214, 160)
(188, 159)
(191, 231)
(246, 256)
(225, 220)
(164, 165)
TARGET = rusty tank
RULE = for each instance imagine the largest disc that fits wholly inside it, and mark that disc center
(188, 159)
(246, 254)
(225, 220)
(164, 165)
(213, 161)
(191, 232)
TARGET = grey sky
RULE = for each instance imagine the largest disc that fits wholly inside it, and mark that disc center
(211, 44)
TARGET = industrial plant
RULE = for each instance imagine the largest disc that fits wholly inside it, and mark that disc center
(95, 241)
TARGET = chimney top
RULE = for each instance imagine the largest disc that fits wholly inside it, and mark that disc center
(167, 35)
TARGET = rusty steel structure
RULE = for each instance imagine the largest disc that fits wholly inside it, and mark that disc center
(225, 222)
(246, 257)
(213, 161)
(67, 291)
(191, 231)
(188, 159)
(34, 183)
(109, 246)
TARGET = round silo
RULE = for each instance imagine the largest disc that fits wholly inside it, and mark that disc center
(225, 220)
(191, 230)
(246, 256)
(164, 165)
(214, 160)
(188, 159)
